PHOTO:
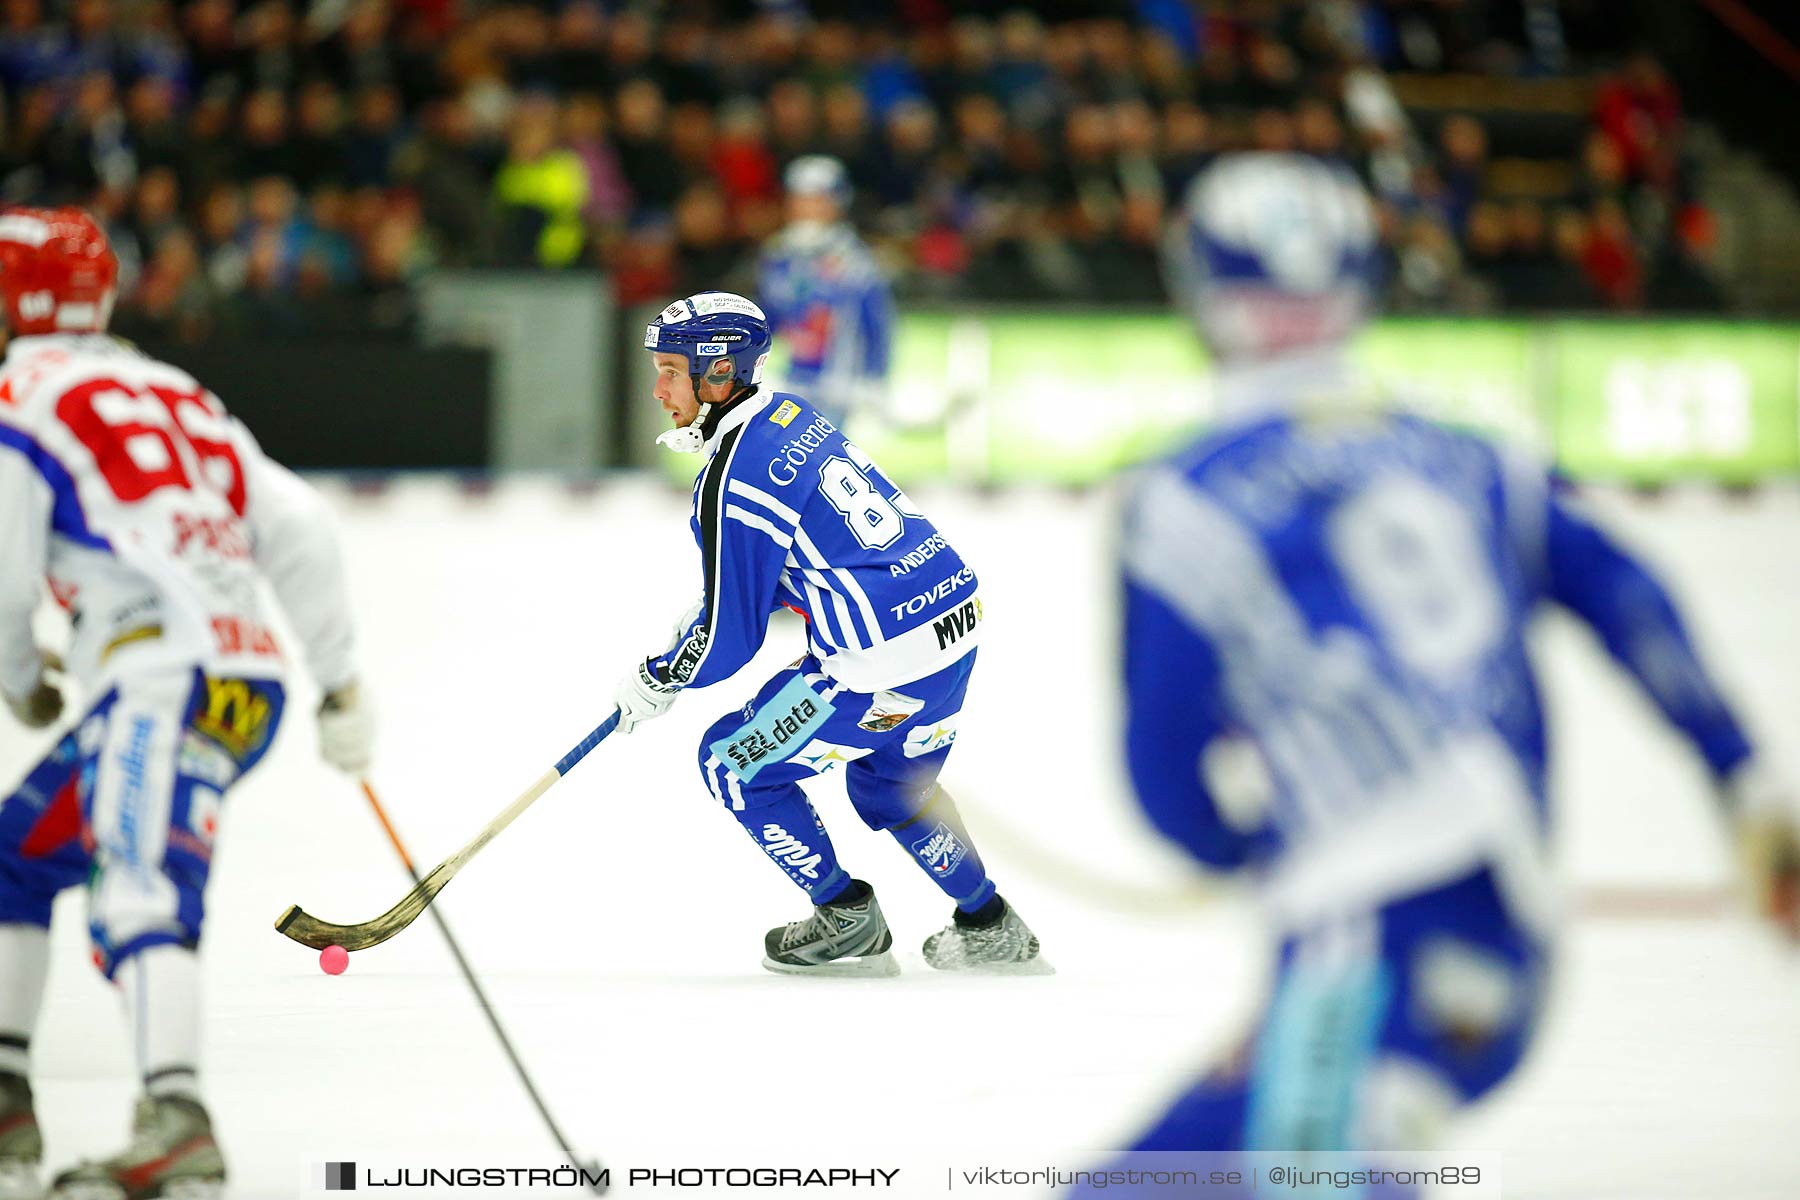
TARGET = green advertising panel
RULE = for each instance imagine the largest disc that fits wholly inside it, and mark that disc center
(1073, 398)
(1652, 401)
(1070, 398)
(1065, 399)
(1476, 374)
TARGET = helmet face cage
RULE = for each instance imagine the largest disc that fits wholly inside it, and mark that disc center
(710, 327)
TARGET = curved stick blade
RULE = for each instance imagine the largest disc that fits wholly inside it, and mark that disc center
(308, 930)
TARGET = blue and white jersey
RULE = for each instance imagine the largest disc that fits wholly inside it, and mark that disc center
(1325, 655)
(828, 301)
(789, 513)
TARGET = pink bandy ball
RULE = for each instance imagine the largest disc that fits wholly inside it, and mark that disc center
(334, 960)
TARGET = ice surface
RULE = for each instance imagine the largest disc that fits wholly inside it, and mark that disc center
(618, 923)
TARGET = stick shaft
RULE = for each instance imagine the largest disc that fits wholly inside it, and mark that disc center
(481, 999)
(529, 797)
(308, 930)
(493, 828)
(587, 743)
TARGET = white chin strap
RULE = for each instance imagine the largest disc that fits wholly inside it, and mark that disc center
(688, 439)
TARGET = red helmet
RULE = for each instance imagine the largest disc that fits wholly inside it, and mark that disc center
(57, 273)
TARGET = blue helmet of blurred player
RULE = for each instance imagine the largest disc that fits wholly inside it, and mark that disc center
(725, 340)
(1273, 255)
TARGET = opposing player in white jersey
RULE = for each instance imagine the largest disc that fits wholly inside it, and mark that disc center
(153, 519)
(1328, 687)
(790, 514)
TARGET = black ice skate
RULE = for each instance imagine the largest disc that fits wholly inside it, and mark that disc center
(1001, 945)
(21, 1146)
(847, 936)
(172, 1156)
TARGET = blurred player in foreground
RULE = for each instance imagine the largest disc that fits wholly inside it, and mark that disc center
(1324, 652)
(789, 514)
(825, 296)
(154, 517)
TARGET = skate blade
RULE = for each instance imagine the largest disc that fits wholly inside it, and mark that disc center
(86, 1190)
(174, 1189)
(869, 966)
(1031, 966)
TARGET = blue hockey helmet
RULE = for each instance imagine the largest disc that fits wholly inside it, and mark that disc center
(710, 326)
(1272, 253)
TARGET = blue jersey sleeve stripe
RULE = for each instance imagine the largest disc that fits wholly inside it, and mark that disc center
(1150, 541)
(829, 612)
(849, 636)
(862, 616)
(838, 610)
(1203, 562)
(66, 516)
(710, 496)
(756, 521)
(862, 613)
(757, 496)
(814, 603)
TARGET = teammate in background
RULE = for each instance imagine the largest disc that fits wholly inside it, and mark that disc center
(826, 297)
(153, 516)
(789, 514)
(1327, 685)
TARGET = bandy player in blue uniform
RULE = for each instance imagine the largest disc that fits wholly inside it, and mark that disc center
(826, 296)
(1328, 686)
(789, 514)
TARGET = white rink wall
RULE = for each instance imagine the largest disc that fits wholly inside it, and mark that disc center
(619, 922)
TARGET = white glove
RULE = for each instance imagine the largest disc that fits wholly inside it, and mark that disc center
(641, 697)
(347, 729)
(1768, 845)
(43, 704)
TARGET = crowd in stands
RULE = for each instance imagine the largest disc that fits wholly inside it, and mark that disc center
(261, 161)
